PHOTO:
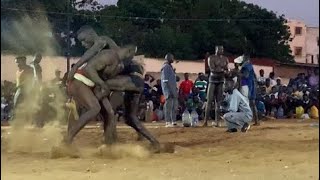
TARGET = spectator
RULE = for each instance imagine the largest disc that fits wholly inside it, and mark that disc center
(239, 112)
(306, 103)
(195, 102)
(278, 84)
(186, 86)
(57, 80)
(261, 79)
(24, 80)
(314, 79)
(169, 89)
(201, 84)
(268, 86)
(272, 80)
(158, 88)
(261, 109)
(148, 79)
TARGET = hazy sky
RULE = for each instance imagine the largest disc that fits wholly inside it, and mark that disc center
(305, 10)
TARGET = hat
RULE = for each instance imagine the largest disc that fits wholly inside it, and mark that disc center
(239, 60)
(21, 59)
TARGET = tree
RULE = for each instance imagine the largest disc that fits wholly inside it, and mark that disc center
(187, 28)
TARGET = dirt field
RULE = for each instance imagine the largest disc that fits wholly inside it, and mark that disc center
(275, 150)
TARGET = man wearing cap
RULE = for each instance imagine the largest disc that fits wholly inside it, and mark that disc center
(24, 80)
(169, 89)
(248, 83)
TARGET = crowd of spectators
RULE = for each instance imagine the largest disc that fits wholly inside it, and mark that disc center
(274, 98)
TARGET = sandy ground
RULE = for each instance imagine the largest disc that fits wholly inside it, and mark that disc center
(276, 150)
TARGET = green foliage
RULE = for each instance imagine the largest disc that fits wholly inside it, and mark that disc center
(159, 31)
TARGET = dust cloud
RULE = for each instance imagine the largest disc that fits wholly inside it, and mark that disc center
(44, 105)
(123, 151)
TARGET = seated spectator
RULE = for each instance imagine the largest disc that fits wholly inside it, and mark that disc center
(194, 102)
(274, 92)
(261, 79)
(201, 84)
(268, 86)
(158, 88)
(297, 92)
(261, 109)
(278, 84)
(306, 103)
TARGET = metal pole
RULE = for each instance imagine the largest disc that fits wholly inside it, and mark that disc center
(68, 36)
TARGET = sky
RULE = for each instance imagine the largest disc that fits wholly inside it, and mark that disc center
(304, 10)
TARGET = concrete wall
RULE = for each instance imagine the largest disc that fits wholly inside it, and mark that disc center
(50, 64)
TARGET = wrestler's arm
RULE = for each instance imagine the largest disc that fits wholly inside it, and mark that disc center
(210, 63)
(97, 46)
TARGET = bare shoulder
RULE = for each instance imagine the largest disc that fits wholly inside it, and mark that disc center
(213, 57)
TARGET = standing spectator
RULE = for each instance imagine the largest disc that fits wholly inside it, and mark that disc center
(261, 79)
(186, 86)
(248, 83)
(24, 81)
(201, 84)
(169, 89)
(37, 70)
(272, 80)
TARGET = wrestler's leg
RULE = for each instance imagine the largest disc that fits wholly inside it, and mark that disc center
(131, 101)
(219, 96)
(208, 108)
(109, 122)
(86, 97)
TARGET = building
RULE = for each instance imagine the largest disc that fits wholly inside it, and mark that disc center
(312, 45)
(305, 42)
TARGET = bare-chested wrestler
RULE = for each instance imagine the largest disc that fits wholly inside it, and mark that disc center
(94, 43)
(218, 65)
